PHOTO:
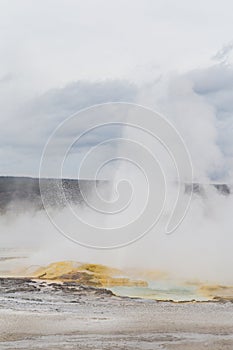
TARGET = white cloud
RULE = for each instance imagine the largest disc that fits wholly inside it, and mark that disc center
(50, 43)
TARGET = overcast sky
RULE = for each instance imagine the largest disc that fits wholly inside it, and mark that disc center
(57, 56)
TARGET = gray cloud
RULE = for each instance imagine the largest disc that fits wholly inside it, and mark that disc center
(200, 105)
(223, 54)
(50, 44)
(6, 78)
(25, 131)
(219, 95)
(198, 102)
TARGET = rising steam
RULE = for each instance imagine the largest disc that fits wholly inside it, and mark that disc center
(200, 247)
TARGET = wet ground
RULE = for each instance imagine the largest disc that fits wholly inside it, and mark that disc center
(41, 315)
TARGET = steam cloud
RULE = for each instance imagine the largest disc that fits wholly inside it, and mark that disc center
(199, 103)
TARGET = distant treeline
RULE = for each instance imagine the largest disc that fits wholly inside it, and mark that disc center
(21, 192)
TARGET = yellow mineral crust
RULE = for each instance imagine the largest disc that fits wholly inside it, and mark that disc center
(148, 275)
(217, 292)
(87, 274)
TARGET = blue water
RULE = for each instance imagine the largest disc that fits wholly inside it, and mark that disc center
(161, 290)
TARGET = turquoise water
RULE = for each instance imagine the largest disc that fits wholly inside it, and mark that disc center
(161, 290)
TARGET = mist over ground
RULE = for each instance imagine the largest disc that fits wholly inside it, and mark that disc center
(200, 250)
